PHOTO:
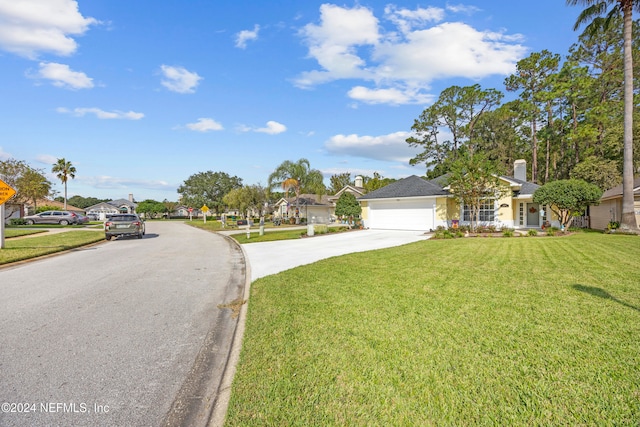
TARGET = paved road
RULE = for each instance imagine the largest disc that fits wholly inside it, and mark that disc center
(128, 332)
(273, 257)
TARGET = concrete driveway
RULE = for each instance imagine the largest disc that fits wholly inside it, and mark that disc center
(268, 258)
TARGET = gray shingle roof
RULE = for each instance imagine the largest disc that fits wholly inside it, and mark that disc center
(526, 187)
(412, 186)
(617, 190)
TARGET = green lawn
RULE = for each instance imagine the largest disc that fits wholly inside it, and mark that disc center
(18, 232)
(499, 331)
(32, 247)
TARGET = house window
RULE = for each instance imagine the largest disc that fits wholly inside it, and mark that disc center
(521, 214)
(487, 211)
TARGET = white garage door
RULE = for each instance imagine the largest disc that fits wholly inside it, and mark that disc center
(401, 215)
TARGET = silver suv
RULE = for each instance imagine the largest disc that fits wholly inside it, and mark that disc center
(124, 225)
(52, 217)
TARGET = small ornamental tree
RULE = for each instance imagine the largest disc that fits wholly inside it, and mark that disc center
(347, 205)
(474, 180)
(567, 198)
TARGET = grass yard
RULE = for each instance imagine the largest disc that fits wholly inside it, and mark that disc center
(18, 232)
(32, 247)
(502, 331)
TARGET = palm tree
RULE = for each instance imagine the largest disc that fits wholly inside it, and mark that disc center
(597, 18)
(63, 170)
(298, 177)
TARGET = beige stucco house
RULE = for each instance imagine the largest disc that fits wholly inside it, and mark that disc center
(610, 207)
(415, 203)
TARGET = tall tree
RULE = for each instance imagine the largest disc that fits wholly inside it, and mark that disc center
(458, 109)
(208, 188)
(297, 177)
(598, 15)
(64, 170)
(532, 78)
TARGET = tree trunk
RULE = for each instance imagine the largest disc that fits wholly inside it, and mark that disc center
(628, 220)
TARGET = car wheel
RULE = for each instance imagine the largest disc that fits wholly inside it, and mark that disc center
(64, 222)
(29, 222)
(107, 237)
(139, 235)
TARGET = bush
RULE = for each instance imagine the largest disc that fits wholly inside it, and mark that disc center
(613, 225)
(532, 232)
(17, 221)
(507, 232)
(320, 229)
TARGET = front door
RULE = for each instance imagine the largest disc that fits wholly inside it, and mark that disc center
(533, 215)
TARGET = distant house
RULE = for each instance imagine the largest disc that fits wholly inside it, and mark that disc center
(101, 210)
(415, 203)
(610, 207)
(313, 208)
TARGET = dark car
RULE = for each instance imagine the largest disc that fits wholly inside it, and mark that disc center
(124, 225)
(52, 217)
(83, 219)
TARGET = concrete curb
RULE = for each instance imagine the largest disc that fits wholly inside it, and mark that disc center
(221, 404)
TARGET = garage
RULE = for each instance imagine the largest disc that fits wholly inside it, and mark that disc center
(407, 204)
(414, 214)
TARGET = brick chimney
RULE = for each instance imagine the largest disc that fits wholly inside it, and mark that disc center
(131, 197)
(520, 169)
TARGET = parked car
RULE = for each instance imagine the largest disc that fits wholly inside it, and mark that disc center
(52, 217)
(124, 225)
(83, 219)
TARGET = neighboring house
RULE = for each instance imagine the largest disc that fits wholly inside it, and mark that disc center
(101, 210)
(183, 211)
(316, 209)
(415, 203)
(610, 207)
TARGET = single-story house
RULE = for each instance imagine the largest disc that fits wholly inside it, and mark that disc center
(316, 209)
(415, 203)
(610, 207)
(101, 210)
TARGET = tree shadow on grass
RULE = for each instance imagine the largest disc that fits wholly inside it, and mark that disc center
(599, 292)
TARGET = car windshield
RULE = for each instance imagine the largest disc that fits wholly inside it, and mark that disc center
(124, 218)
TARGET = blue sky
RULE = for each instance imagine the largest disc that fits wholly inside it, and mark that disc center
(140, 95)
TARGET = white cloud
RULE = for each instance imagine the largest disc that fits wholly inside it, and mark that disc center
(101, 114)
(463, 8)
(273, 128)
(29, 27)
(246, 35)
(179, 79)
(406, 19)
(205, 125)
(46, 159)
(334, 43)
(63, 76)
(393, 96)
(391, 147)
(4, 155)
(401, 62)
(110, 182)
